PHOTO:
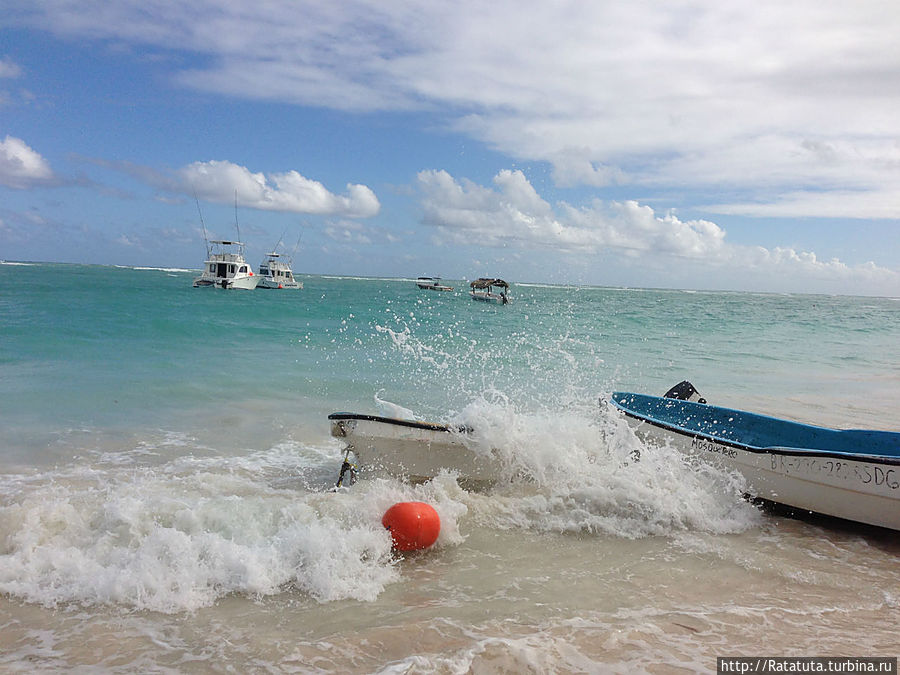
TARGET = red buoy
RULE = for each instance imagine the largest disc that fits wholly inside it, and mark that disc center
(413, 525)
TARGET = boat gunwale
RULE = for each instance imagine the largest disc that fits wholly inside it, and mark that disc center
(415, 424)
(761, 450)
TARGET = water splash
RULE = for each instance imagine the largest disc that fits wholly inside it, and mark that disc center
(575, 472)
(564, 464)
(180, 536)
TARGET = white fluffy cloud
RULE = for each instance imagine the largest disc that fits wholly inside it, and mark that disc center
(689, 93)
(20, 166)
(221, 181)
(467, 213)
(511, 213)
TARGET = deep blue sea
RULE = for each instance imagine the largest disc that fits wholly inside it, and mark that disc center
(165, 465)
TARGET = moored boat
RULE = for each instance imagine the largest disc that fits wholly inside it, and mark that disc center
(490, 290)
(225, 267)
(411, 449)
(852, 474)
(275, 272)
(432, 284)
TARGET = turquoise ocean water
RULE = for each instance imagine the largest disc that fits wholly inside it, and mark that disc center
(166, 465)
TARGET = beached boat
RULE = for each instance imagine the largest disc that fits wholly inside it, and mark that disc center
(852, 474)
(275, 272)
(432, 284)
(410, 449)
(490, 290)
(226, 267)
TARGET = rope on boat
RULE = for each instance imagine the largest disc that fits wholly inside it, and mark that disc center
(346, 466)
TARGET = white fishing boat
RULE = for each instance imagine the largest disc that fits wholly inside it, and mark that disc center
(432, 284)
(225, 267)
(851, 474)
(275, 272)
(412, 450)
(490, 290)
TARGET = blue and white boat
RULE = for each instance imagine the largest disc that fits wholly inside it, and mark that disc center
(852, 474)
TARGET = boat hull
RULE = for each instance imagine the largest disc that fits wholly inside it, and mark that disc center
(854, 486)
(432, 284)
(414, 451)
(270, 282)
(489, 297)
(247, 283)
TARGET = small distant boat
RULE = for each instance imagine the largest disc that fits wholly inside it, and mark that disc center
(852, 474)
(490, 290)
(275, 272)
(432, 284)
(410, 449)
(225, 267)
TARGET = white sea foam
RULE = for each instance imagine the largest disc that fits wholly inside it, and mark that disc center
(576, 471)
(539, 653)
(163, 269)
(565, 464)
(348, 278)
(389, 409)
(177, 534)
(180, 536)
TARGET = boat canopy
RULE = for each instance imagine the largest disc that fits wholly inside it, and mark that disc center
(487, 283)
(226, 243)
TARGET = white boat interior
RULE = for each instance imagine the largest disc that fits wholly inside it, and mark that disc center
(413, 450)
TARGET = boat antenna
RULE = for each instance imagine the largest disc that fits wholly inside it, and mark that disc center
(275, 250)
(237, 227)
(297, 245)
(202, 224)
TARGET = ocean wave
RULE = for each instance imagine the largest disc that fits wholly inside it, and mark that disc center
(576, 471)
(162, 269)
(170, 535)
(178, 537)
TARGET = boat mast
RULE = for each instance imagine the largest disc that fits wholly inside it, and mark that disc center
(296, 246)
(202, 224)
(237, 227)
(280, 239)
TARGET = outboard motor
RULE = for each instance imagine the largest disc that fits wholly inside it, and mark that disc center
(685, 391)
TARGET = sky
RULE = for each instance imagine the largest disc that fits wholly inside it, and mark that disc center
(703, 144)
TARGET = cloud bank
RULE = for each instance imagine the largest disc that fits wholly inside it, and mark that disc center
(512, 213)
(780, 101)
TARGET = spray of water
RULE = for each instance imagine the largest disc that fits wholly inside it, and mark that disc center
(564, 463)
